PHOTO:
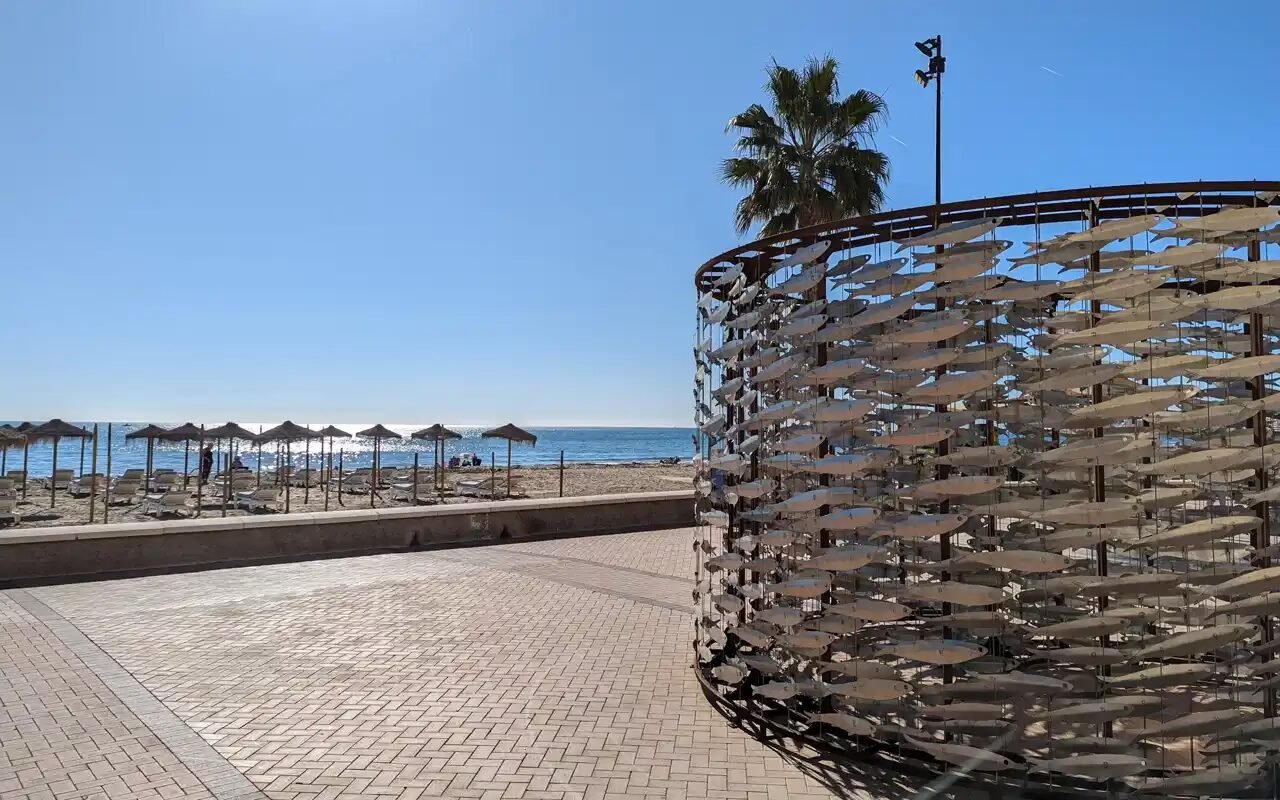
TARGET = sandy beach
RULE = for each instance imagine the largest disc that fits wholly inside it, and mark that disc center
(532, 482)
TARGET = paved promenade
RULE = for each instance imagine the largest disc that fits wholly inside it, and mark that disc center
(553, 670)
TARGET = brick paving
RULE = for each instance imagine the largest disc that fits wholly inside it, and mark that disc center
(553, 670)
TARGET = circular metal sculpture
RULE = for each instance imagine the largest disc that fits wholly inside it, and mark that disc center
(989, 486)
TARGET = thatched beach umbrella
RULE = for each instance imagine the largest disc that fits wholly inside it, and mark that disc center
(438, 435)
(23, 428)
(229, 431)
(10, 438)
(332, 432)
(287, 432)
(186, 433)
(377, 433)
(150, 433)
(512, 434)
(56, 430)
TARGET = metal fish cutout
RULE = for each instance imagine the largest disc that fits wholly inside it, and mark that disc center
(1239, 368)
(951, 233)
(1161, 677)
(1099, 766)
(1199, 532)
(935, 651)
(777, 690)
(1021, 682)
(854, 726)
(871, 610)
(802, 588)
(962, 594)
(1202, 782)
(803, 281)
(972, 758)
(806, 254)
(1193, 724)
(1195, 642)
(957, 487)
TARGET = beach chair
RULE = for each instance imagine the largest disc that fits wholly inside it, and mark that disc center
(163, 481)
(7, 514)
(259, 500)
(86, 485)
(132, 474)
(359, 483)
(304, 477)
(494, 488)
(60, 479)
(19, 477)
(159, 505)
(124, 493)
(404, 491)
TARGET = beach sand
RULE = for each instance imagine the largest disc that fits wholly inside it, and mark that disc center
(533, 482)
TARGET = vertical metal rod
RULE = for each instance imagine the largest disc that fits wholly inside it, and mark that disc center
(339, 475)
(1099, 471)
(93, 480)
(1261, 538)
(329, 472)
(493, 473)
(26, 446)
(562, 473)
(508, 469)
(53, 476)
(82, 443)
(106, 495)
(186, 465)
(284, 471)
(415, 479)
(200, 477)
(306, 483)
(373, 473)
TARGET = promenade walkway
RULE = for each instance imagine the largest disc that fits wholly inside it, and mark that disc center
(555, 670)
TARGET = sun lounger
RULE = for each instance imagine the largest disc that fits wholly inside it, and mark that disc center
(484, 487)
(404, 491)
(357, 484)
(304, 477)
(163, 481)
(124, 493)
(7, 513)
(86, 485)
(60, 479)
(259, 500)
(157, 505)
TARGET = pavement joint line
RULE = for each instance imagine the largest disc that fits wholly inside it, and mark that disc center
(645, 572)
(214, 772)
(519, 570)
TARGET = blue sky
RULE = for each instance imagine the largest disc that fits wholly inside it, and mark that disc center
(476, 211)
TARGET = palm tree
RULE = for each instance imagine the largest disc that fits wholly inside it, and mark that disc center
(806, 162)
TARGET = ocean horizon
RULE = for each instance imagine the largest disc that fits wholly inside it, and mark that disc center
(581, 444)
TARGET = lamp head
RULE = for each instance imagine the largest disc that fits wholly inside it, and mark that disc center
(925, 47)
(922, 78)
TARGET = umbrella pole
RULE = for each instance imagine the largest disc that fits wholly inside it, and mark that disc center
(93, 481)
(339, 475)
(200, 477)
(373, 473)
(106, 495)
(562, 473)
(53, 476)
(186, 465)
(508, 469)
(226, 480)
(328, 468)
(25, 445)
(415, 479)
(306, 484)
(288, 461)
(151, 443)
(493, 474)
(81, 456)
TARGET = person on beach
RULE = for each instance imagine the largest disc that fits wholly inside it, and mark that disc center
(237, 464)
(206, 464)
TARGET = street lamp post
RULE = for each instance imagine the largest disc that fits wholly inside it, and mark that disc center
(932, 49)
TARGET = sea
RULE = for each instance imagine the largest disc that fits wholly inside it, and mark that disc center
(579, 445)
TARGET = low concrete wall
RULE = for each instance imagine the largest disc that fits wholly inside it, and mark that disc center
(73, 552)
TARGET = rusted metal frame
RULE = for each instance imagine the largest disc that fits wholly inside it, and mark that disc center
(1099, 471)
(1111, 199)
(1260, 539)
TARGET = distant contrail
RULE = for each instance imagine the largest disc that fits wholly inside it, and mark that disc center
(896, 139)
(1053, 72)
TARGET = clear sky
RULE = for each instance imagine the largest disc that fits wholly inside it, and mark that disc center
(475, 211)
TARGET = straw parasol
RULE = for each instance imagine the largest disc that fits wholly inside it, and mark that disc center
(9, 438)
(512, 434)
(229, 431)
(55, 430)
(438, 435)
(150, 433)
(332, 432)
(22, 428)
(186, 433)
(377, 433)
(287, 432)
